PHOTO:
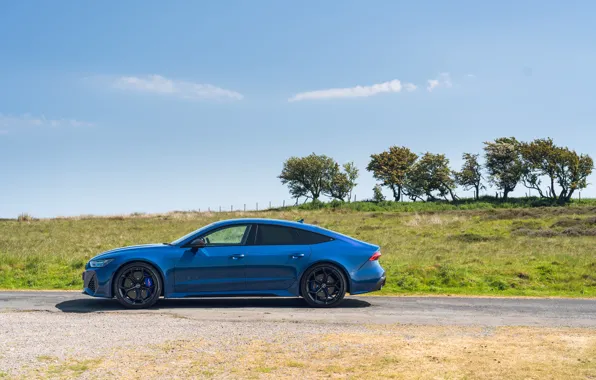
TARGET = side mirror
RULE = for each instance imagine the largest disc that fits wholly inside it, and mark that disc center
(198, 243)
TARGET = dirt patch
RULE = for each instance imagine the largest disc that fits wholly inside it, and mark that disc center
(379, 352)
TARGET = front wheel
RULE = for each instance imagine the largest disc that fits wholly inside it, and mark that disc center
(137, 285)
(323, 285)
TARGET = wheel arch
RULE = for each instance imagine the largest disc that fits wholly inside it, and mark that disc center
(334, 263)
(144, 261)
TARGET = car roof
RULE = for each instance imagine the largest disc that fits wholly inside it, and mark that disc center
(278, 222)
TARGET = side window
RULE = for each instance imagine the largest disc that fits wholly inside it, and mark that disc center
(233, 235)
(308, 237)
(268, 234)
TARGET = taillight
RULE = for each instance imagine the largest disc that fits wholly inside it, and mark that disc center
(375, 256)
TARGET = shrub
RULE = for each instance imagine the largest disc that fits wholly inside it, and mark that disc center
(24, 217)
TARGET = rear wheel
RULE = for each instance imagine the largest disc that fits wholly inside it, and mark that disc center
(137, 285)
(323, 285)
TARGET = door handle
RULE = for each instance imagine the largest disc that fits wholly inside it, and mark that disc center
(297, 255)
(238, 256)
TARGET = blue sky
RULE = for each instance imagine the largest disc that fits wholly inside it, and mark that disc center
(147, 106)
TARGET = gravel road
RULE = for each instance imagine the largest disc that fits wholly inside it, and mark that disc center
(59, 325)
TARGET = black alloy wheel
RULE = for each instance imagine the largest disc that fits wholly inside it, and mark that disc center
(323, 285)
(137, 286)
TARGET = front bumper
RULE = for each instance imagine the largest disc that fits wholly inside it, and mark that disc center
(97, 284)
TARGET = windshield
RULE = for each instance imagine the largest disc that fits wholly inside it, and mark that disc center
(183, 238)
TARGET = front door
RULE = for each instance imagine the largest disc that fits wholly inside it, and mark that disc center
(275, 259)
(216, 268)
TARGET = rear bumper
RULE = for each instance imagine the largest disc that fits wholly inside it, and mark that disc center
(380, 283)
(369, 278)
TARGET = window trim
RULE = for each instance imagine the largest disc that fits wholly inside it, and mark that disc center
(297, 230)
(248, 226)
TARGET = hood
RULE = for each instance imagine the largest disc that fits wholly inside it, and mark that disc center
(124, 250)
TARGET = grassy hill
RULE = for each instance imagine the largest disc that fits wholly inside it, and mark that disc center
(470, 248)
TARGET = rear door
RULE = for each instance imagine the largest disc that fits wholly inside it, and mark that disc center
(275, 258)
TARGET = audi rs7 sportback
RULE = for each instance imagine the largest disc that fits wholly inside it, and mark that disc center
(240, 257)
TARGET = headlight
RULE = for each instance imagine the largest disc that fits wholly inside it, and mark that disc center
(99, 263)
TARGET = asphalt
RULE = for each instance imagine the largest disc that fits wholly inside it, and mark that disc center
(371, 309)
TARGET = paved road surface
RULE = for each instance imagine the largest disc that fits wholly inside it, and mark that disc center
(373, 309)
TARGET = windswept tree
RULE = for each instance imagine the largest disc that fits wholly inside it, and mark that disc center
(470, 175)
(432, 177)
(308, 176)
(390, 167)
(561, 166)
(572, 172)
(341, 182)
(503, 163)
(539, 159)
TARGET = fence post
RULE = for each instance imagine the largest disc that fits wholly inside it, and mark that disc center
(269, 204)
(209, 209)
(354, 197)
(257, 206)
(284, 203)
(245, 207)
(232, 208)
(219, 208)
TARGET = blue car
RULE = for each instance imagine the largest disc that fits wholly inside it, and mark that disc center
(240, 257)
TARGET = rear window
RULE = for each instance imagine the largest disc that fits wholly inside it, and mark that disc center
(276, 235)
(279, 235)
(308, 237)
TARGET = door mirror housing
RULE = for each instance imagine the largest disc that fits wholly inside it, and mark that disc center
(198, 243)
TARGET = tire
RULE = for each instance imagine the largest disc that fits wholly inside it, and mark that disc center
(137, 285)
(315, 285)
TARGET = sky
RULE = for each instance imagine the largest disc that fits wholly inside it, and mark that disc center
(146, 106)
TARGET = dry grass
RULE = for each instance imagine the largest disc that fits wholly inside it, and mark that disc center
(419, 220)
(403, 352)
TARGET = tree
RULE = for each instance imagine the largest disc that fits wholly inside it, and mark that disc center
(341, 183)
(564, 167)
(430, 176)
(539, 159)
(378, 194)
(470, 176)
(503, 163)
(308, 176)
(352, 173)
(390, 167)
(572, 172)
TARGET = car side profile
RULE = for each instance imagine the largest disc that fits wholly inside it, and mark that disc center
(239, 257)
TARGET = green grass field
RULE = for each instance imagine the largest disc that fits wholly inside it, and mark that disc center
(539, 251)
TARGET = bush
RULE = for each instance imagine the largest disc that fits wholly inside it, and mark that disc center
(519, 207)
(24, 217)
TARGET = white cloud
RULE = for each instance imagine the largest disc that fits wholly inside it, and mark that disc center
(471, 76)
(432, 83)
(354, 92)
(410, 87)
(27, 120)
(186, 90)
(444, 80)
